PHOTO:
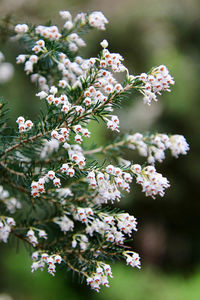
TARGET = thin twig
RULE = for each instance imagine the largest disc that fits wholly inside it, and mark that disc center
(82, 94)
(33, 138)
(106, 102)
(104, 149)
(12, 171)
(75, 269)
(18, 187)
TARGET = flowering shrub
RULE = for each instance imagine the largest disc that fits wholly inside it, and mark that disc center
(46, 166)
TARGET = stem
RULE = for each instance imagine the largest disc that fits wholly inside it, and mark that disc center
(18, 187)
(103, 149)
(106, 102)
(33, 138)
(12, 171)
(21, 237)
(93, 79)
(75, 269)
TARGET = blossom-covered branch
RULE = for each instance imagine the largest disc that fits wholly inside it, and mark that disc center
(47, 165)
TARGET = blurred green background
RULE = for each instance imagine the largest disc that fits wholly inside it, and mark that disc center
(147, 33)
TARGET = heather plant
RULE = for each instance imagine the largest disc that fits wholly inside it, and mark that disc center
(55, 194)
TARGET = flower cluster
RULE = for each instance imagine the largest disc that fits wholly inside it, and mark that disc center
(98, 20)
(69, 69)
(21, 28)
(49, 32)
(152, 183)
(41, 258)
(32, 237)
(83, 214)
(11, 203)
(108, 182)
(64, 193)
(114, 61)
(155, 145)
(178, 145)
(24, 125)
(6, 224)
(49, 148)
(154, 83)
(100, 276)
(37, 187)
(64, 223)
(132, 259)
(112, 227)
(80, 240)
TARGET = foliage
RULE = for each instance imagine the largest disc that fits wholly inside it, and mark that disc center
(74, 225)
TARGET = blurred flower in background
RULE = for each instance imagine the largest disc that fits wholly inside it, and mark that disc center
(145, 33)
(5, 297)
(6, 70)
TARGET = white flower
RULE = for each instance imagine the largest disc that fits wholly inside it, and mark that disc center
(64, 168)
(63, 83)
(10, 221)
(136, 168)
(41, 43)
(30, 233)
(51, 174)
(44, 256)
(104, 44)
(78, 138)
(58, 259)
(98, 20)
(21, 28)
(20, 59)
(157, 81)
(65, 14)
(42, 95)
(64, 192)
(53, 90)
(28, 124)
(20, 120)
(35, 265)
(110, 169)
(28, 67)
(79, 109)
(74, 244)
(42, 234)
(68, 25)
(22, 127)
(50, 260)
(6, 72)
(35, 255)
(178, 145)
(57, 182)
(132, 259)
(153, 183)
(65, 223)
(70, 172)
(54, 134)
(33, 59)
(37, 49)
